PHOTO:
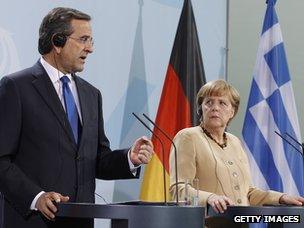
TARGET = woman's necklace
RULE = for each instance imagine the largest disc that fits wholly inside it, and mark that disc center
(222, 145)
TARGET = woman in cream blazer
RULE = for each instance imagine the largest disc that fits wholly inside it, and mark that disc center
(216, 158)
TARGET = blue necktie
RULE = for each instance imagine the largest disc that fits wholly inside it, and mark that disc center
(70, 106)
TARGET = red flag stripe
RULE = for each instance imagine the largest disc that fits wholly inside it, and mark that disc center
(177, 106)
(173, 113)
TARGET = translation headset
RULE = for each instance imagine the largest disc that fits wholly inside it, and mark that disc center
(59, 39)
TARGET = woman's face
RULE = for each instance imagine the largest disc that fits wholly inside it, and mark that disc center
(217, 111)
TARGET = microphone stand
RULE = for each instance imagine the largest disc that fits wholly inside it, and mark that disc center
(175, 151)
(163, 153)
(296, 141)
(300, 144)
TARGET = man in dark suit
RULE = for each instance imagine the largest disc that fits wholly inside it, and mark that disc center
(52, 139)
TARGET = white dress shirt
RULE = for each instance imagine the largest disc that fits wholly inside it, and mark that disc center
(55, 76)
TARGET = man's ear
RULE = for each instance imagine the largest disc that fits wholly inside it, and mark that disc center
(58, 41)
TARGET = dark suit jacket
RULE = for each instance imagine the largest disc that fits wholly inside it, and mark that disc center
(37, 150)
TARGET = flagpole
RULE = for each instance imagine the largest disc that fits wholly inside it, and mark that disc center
(227, 39)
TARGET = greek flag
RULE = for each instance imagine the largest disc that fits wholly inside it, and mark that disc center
(275, 164)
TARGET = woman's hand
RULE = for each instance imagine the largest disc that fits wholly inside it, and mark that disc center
(219, 203)
(292, 200)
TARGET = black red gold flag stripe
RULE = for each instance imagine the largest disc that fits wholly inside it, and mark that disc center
(177, 109)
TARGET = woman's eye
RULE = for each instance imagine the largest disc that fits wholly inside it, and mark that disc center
(209, 102)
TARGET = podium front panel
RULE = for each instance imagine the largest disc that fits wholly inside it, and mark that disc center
(137, 215)
(1, 210)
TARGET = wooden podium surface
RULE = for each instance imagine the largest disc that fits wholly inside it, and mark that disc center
(137, 214)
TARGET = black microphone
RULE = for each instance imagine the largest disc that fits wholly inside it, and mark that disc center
(290, 142)
(163, 153)
(175, 152)
(101, 197)
(296, 141)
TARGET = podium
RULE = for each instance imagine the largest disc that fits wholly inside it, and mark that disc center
(1, 209)
(227, 218)
(137, 214)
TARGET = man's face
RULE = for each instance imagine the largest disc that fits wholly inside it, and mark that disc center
(71, 57)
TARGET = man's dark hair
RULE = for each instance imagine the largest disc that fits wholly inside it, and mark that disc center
(57, 21)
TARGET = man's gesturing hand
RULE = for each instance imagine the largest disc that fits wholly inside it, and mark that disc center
(141, 151)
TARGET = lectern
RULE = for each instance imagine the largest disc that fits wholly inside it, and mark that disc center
(137, 214)
(227, 219)
(1, 210)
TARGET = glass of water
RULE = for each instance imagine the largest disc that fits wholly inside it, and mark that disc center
(191, 192)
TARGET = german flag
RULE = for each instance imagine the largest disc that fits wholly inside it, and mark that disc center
(177, 107)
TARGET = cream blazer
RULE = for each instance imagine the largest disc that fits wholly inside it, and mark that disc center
(220, 171)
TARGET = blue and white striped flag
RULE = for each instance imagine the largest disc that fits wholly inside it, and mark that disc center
(271, 107)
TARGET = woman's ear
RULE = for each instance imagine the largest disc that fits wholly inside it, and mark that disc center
(199, 111)
(232, 113)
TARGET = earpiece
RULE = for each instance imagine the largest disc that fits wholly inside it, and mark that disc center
(59, 40)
